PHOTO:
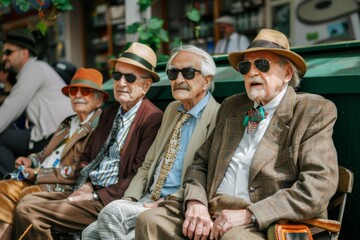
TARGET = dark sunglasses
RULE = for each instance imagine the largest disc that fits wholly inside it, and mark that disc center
(84, 91)
(187, 73)
(262, 64)
(129, 77)
(8, 52)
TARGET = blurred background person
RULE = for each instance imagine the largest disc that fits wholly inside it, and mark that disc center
(37, 92)
(230, 41)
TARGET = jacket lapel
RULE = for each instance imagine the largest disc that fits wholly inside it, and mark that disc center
(232, 133)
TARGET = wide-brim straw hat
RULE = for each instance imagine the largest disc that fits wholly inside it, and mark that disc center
(87, 78)
(272, 41)
(141, 56)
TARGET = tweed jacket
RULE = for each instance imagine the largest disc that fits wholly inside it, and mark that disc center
(143, 180)
(71, 153)
(294, 171)
(138, 141)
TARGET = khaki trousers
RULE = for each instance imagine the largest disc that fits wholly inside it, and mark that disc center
(165, 222)
(52, 212)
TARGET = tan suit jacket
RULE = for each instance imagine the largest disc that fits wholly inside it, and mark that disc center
(294, 170)
(141, 183)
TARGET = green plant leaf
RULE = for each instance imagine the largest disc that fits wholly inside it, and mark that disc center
(5, 2)
(163, 35)
(41, 26)
(193, 14)
(144, 4)
(62, 5)
(155, 23)
(23, 5)
(133, 28)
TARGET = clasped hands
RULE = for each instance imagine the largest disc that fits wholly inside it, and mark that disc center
(198, 224)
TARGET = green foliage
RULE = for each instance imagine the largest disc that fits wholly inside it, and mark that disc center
(144, 4)
(57, 6)
(193, 14)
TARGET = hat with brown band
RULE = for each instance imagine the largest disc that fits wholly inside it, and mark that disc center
(87, 78)
(272, 41)
(141, 56)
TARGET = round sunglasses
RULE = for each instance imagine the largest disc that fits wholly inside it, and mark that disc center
(187, 73)
(129, 77)
(83, 90)
(262, 64)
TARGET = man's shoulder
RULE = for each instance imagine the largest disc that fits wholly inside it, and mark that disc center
(149, 107)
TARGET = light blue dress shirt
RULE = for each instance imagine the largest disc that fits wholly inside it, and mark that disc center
(173, 181)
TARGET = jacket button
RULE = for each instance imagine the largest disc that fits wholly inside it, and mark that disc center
(251, 189)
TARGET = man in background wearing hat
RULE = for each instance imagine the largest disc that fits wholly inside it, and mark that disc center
(230, 41)
(53, 169)
(37, 92)
(270, 157)
(158, 181)
(115, 151)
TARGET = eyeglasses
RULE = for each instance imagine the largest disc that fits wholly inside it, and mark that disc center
(262, 64)
(8, 52)
(129, 77)
(84, 91)
(187, 73)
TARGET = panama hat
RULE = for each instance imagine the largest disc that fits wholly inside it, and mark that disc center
(141, 56)
(226, 20)
(272, 41)
(89, 78)
(22, 38)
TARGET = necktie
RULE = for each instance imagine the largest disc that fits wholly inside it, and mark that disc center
(85, 172)
(253, 117)
(169, 156)
(226, 45)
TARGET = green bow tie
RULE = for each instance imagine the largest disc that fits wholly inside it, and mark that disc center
(253, 117)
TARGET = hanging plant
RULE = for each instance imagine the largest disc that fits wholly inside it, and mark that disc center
(48, 10)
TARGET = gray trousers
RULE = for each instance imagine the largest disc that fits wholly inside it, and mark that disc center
(116, 220)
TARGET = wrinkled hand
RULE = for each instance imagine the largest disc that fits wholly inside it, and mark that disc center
(26, 162)
(83, 193)
(153, 204)
(197, 223)
(229, 219)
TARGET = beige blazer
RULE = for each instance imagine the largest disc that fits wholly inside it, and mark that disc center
(294, 171)
(141, 183)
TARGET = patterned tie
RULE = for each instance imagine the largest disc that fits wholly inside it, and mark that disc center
(253, 117)
(169, 156)
(85, 172)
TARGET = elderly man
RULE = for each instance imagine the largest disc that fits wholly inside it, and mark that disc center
(114, 153)
(53, 168)
(274, 161)
(158, 182)
(37, 92)
(230, 41)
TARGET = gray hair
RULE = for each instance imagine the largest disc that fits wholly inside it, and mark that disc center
(295, 80)
(208, 67)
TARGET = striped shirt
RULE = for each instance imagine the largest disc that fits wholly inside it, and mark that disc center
(107, 172)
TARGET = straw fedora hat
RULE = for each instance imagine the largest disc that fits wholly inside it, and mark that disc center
(141, 56)
(272, 41)
(89, 78)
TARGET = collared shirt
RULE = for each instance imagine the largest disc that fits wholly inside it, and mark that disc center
(236, 179)
(173, 180)
(107, 172)
(237, 42)
(53, 160)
